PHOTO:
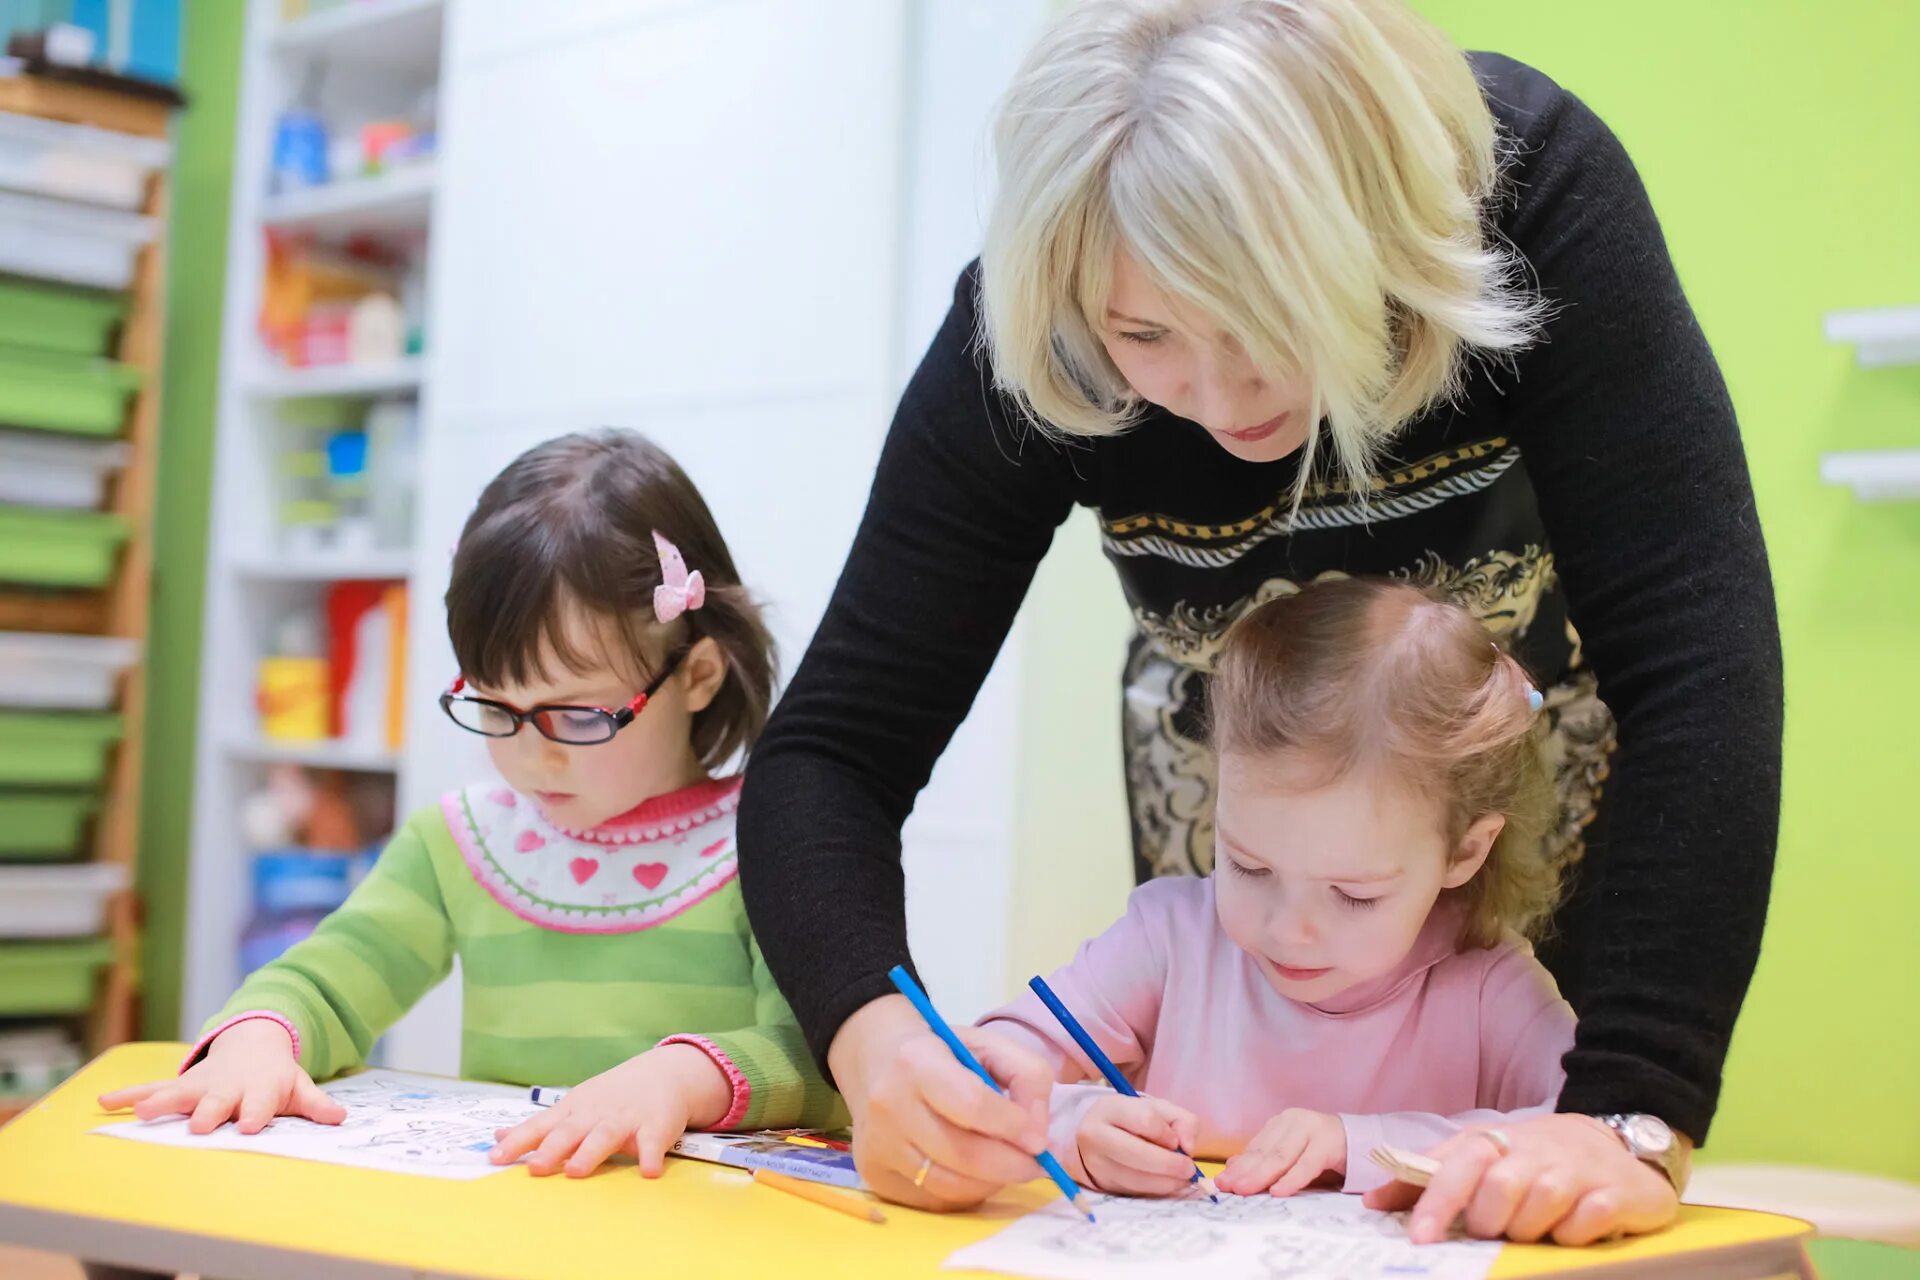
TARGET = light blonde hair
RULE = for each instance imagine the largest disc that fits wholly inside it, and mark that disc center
(1313, 174)
(1376, 675)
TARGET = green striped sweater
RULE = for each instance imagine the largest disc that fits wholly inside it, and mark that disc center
(578, 950)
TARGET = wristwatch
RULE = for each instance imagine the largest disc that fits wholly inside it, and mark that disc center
(1652, 1141)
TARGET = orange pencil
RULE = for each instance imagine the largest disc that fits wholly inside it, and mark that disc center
(852, 1206)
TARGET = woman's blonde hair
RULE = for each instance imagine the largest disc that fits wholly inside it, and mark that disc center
(1376, 675)
(1313, 174)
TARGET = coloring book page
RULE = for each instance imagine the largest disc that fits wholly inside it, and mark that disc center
(1305, 1237)
(396, 1122)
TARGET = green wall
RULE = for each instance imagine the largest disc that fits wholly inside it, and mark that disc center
(196, 278)
(1780, 140)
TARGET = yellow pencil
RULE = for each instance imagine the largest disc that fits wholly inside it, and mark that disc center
(852, 1206)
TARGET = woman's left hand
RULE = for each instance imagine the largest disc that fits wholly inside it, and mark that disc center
(1567, 1177)
(640, 1107)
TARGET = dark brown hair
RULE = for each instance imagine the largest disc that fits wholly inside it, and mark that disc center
(1355, 673)
(570, 523)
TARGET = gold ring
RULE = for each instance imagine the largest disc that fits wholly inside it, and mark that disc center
(920, 1174)
(1500, 1141)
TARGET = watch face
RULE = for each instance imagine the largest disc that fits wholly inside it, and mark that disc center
(1649, 1134)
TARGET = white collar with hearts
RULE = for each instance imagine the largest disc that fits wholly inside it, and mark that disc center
(629, 873)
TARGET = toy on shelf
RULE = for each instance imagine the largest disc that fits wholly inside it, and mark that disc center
(293, 694)
(313, 837)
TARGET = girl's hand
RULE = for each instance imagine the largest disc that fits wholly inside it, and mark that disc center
(640, 1107)
(1289, 1152)
(1130, 1146)
(926, 1131)
(1568, 1176)
(248, 1075)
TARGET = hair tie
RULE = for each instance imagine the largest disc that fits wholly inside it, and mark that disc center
(679, 591)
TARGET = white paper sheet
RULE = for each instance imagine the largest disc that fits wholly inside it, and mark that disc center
(396, 1122)
(1303, 1237)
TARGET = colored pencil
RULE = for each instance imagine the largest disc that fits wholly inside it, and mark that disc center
(938, 1025)
(851, 1205)
(1120, 1083)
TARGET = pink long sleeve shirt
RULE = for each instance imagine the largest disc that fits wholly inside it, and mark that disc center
(1447, 1039)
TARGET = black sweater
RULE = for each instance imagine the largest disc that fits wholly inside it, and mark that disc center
(1604, 466)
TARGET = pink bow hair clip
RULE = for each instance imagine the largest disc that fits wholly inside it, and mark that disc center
(679, 591)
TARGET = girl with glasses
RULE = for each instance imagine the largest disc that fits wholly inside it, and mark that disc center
(616, 666)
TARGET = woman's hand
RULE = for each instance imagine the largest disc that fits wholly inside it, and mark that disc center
(926, 1131)
(1567, 1177)
(1131, 1146)
(249, 1075)
(640, 1107)
(1290, 1151)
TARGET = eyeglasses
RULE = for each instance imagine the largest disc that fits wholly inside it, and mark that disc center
(568, 725)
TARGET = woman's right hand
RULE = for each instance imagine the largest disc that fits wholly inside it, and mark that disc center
(926, 1131)
(249, 1075)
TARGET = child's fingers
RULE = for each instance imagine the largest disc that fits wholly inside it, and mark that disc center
(1120, 1179)
(1143, 1154)
(522, 1138)
(121, 1099)
(1309, 1165)
(1250, 1173)
(601, 1142)
(168, 1100)
(556, 1147)
(651, 1144)
(316, 1104)
(256, 1111)
(214, 1110)
(1185, 1124)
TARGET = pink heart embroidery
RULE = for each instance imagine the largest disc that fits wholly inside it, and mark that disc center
(582, 869)
(650, 874)
(713, 848)
(504, 798)
(529, 841)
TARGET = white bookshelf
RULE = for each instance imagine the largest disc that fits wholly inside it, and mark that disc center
(393, 202)
(367, 60)
(399, 377)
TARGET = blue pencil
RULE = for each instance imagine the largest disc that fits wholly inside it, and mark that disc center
(911, 990)
(1112, 1073)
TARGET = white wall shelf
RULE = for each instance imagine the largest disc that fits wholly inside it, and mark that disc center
(314, 755)
(387, 204)
(394, 35)
(1879, 336)
(399, 377)
(357, 62)
(1886, 475)
(372, 566)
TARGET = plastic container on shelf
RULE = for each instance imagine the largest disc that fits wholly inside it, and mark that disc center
(48, 317)
(70, 673)
(58, 902)
(56, 392)
(59, 548)
(55, 748)
(43, 978)
(41, 470)
(43, 826)
(78, 162)
(77, 243)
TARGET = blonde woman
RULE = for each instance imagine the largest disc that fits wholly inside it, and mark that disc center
(1287, 289)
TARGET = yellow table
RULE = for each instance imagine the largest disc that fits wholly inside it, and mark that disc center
(235, 1215)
